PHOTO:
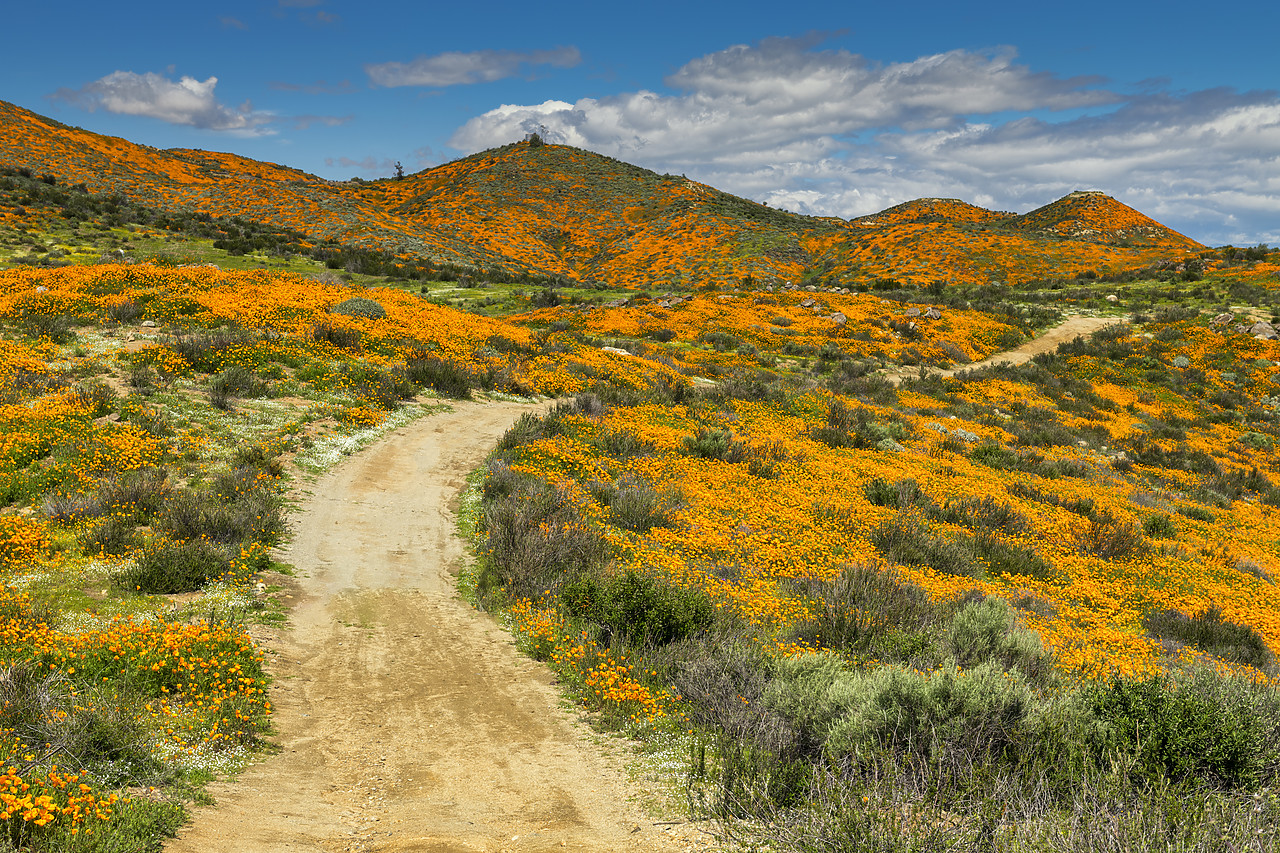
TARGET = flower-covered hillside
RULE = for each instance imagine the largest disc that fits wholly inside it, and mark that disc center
(742, 328)
(1009, 602)
(557, 211)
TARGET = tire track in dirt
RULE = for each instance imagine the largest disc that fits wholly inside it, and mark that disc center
(407, 720)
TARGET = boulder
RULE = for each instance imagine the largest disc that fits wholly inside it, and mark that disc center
(615, 350)
(1222, 319)
(913, 312)
(933, 314)
(1264, 330)
(839, 319)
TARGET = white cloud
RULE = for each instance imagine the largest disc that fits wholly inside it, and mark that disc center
(456, 68)
(830, 132)
(186, 101)
(780, 94)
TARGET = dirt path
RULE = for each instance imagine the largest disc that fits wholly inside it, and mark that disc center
(407, 720)
(1068, 330)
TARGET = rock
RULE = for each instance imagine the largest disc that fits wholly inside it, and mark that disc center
(936, 427)
(1264, 330)
(42, 289)
(615, 350)
(1112, 298)
(1222, 319)
(912, 312)
(617, 303)
(933, 314)
(839, 319)
(150, 324)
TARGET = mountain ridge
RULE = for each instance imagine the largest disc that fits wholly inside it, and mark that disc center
(561, 211)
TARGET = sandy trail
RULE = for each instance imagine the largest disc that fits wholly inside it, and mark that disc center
(1068, 330)
(406, 719)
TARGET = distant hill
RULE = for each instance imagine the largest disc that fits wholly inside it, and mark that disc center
(562, 211)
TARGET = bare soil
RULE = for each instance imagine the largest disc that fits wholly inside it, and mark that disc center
(406, 719)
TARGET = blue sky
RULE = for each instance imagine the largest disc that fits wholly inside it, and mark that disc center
(819, 107)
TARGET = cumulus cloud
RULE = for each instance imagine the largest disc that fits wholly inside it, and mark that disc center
(186, 101)
(782, 94)
(833, 133)
(456, 68)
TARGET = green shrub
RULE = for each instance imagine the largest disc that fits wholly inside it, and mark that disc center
(240, 508)
(114, 535)
(241, 381)
(623, 444)
(384, 388)
(1159, 525)
(1006, 558)
(1197, 513)
(723, 679)
(100, 733)
(205, 351)
(710, 443)
(446, 377)
(530, 428)
(96, 396)
(899, 495)
(639, 507)
(907, 540)
(165, 568)
(867, 612)
(1106, 536)
(40, 324)
(974, 715)
(986, 631)
(535, 539)
(342, 337)
(643, 611)
(1205, 728)
(983, 514)
(1209, 632)
(358, 306)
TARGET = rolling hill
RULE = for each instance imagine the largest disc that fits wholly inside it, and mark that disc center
(560, 211)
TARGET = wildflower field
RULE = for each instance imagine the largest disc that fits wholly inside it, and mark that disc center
(884, 610)
(1015, 608)
(147, 415)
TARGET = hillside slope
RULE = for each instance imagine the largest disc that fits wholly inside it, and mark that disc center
(562, 211)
